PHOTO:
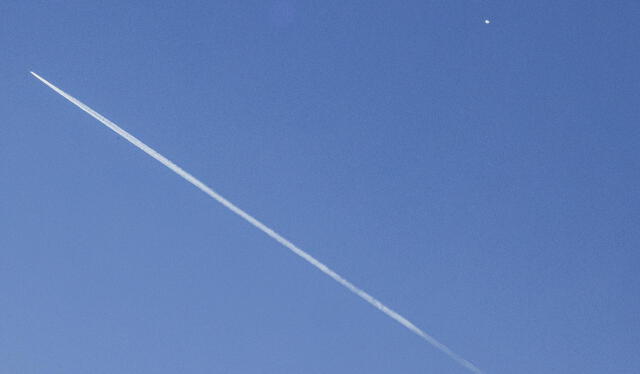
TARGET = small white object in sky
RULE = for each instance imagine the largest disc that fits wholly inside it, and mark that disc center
(487, 21)
(264, 228)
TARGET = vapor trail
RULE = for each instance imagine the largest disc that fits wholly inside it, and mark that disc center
(262, 227)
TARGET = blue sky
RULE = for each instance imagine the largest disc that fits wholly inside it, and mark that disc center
(479, 178)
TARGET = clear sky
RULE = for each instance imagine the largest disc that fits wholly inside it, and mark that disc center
(480, 178)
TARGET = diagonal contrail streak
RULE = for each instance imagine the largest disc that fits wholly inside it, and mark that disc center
(262, 227)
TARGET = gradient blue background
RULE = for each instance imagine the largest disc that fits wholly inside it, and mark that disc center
(481, 179)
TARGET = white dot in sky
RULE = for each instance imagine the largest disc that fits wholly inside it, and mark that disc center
(487, 21)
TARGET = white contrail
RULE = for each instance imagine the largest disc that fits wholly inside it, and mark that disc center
(262, 227)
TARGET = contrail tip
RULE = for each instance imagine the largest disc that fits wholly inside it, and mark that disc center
(37, 76)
